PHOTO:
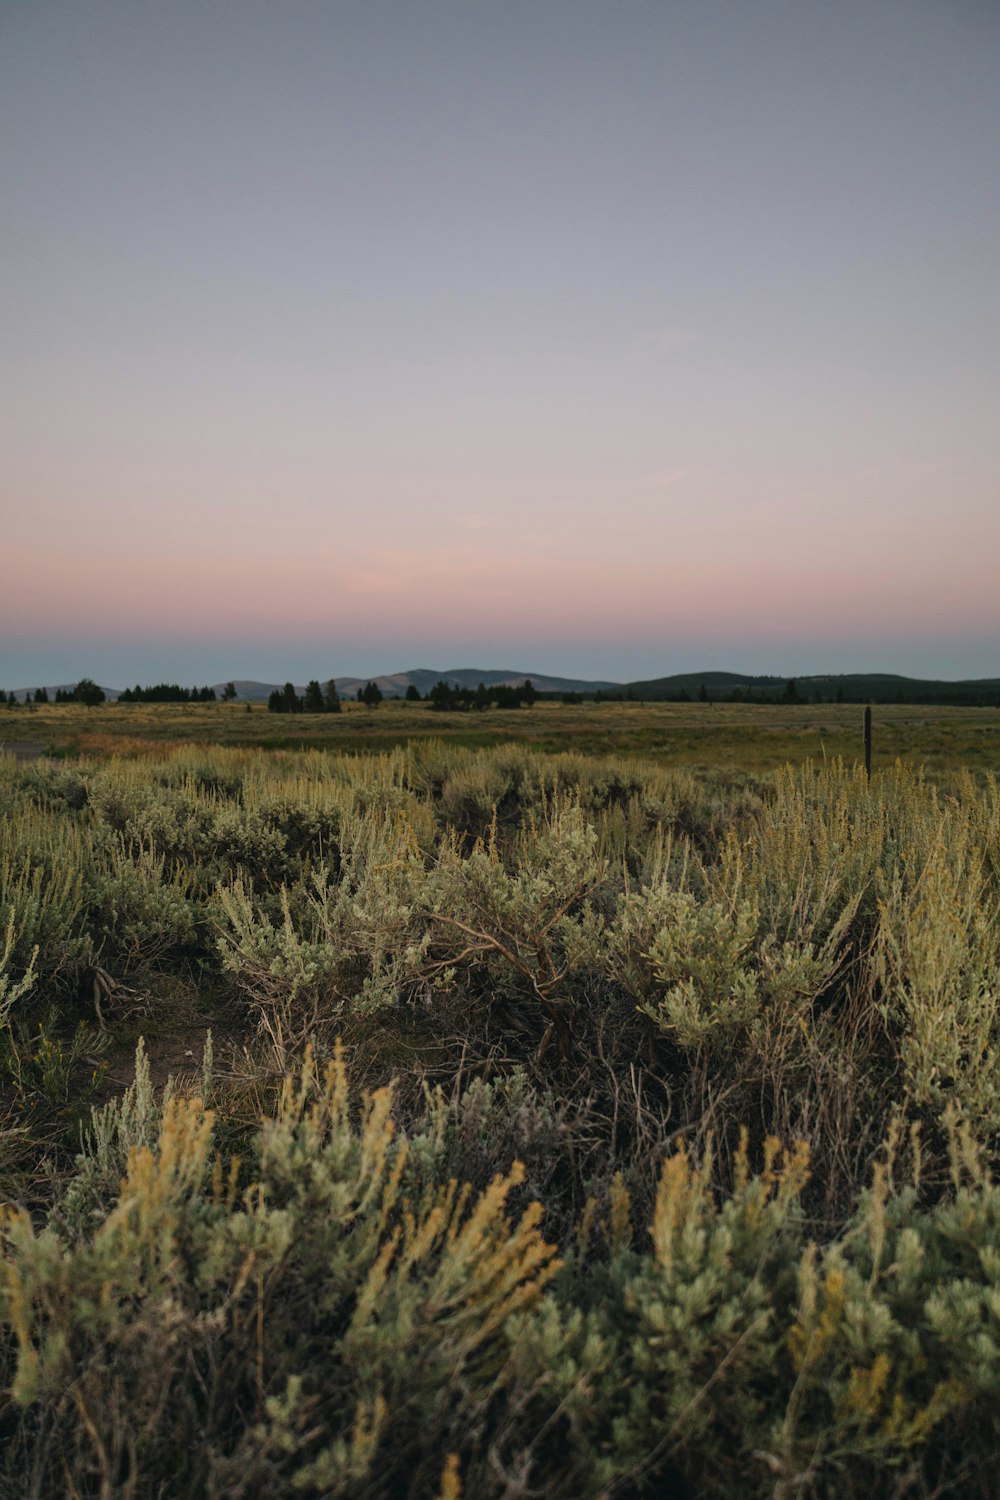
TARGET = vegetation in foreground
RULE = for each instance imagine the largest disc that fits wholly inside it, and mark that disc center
(569, 1127)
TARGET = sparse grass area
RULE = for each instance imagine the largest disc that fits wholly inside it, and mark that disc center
(715, 1053)
(747, 737)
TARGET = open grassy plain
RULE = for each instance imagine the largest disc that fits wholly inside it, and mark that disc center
(749, 737)
(499, 1122)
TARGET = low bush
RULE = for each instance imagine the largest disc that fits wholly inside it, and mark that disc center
(333, 1314)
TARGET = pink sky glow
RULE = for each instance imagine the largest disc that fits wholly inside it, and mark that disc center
(599, 340)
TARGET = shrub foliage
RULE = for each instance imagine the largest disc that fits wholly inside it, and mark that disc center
(588, 1128)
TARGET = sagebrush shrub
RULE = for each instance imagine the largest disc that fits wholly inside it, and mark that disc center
(589, 977)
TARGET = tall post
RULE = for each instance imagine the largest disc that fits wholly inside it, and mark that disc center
(868, 743)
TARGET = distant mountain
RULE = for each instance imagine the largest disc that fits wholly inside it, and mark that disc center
(424, 678)
(249, 691)
(394, 684)
(852, 687)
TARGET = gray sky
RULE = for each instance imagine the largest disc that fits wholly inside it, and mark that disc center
(606, 339)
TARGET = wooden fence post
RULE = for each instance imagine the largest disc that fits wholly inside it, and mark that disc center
(868, 743)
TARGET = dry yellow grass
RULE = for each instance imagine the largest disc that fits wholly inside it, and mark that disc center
(747, 737)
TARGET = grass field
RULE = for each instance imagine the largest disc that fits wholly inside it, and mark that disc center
(744, 737)
(503, 1122)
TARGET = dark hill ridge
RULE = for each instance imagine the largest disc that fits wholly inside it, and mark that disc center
(394, 684)
(424, 678)
(856, 687)
(851, 687)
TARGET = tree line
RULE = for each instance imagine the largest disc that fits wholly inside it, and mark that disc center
(315, 699)
(86, 691)
(444, 697)
(447, 698)
(169, 692)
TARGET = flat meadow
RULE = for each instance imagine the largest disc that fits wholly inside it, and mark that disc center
(579, 1101)
(749, 736)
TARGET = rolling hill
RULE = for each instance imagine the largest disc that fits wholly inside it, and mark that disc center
(851, 687)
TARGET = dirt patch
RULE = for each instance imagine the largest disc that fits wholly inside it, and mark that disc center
(177, 1057)
(173, 1019)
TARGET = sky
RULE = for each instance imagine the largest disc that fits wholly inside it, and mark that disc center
(609, 340)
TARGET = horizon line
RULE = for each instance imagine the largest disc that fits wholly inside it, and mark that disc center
(519, 675)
